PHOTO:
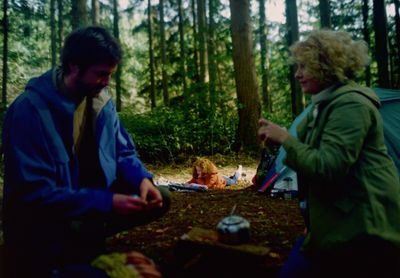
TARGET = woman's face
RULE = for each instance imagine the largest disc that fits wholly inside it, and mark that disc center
(308, 83)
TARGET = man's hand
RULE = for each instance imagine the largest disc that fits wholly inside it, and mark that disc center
(126, 204)
(150, 194)
(149, 198)
(272, 133)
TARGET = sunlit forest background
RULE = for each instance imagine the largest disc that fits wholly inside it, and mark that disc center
(197, 74)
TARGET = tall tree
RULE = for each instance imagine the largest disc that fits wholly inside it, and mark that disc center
(95, 12)
(151, 54)
(249, 105)
(293, 36)
(53, 37)
(211, 53)
(163, 55)
(397, 47)
(78, 14)
(262, 32)
(60, 36)
(397, 21)
(182, 47)
(196, 39)
(381, 43)
(325, 13)
(367, 38)
(118, 87)
(202, 35)
(5, 56)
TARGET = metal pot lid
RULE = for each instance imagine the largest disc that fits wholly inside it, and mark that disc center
(233, 220)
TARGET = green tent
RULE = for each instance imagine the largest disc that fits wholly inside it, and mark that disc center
(390, 111)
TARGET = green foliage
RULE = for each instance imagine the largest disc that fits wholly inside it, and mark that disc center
(172, 134)
(189, 126)
(28, 52)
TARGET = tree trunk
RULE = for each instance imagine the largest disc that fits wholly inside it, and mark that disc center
(53, 39)
(381, 43)
(263, 63)
(95, 12)
(325, 13)
(5, 58)
(293, 36)
(78, 14)
(367, 38)
(396, 83)
(201, 19)
(195, 49)
(182, 47)
(60, 25)
(245, 75)
(163, 55)
(118, 87)
(211, 54)
(151, 54)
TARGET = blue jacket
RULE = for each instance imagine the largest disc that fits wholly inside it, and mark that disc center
(42, 197)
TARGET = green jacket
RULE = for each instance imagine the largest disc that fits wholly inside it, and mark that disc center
(350, 182)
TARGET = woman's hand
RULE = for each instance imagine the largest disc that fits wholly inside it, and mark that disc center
(271, 133)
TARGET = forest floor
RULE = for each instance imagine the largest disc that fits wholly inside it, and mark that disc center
(274, 223)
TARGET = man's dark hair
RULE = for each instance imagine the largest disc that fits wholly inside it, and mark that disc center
(90, 46)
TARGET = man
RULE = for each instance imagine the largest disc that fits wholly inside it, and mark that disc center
(72, 174)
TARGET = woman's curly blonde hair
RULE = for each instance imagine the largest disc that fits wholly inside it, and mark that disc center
(206, 166)
(331, 56)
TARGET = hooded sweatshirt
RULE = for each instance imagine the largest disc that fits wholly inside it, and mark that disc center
(344, 171)
(46, 208)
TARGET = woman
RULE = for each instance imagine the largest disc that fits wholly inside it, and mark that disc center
(206, 173)
(348, 184)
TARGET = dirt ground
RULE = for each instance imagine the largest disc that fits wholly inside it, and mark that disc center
(274, 223)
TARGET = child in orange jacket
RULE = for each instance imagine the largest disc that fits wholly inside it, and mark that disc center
(206, 173)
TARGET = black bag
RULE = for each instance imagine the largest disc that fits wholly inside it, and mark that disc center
(268, 157)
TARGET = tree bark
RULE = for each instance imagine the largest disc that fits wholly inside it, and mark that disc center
(60, 25)
(245, 76)
(53, 39)
(5, 58)
(163, 55)
(78, 14)
(211, 54)
(182, 47)
(381, 43)
(264, 63)
(95, 12)
(201, 19)
(151, 54)
(196, 43)
(367, 39)
(396, 83)
(118, 87)
(293, 36)
(325, 13)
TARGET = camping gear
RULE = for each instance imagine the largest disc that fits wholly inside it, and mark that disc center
(278, 170)
(233, 229)
(267, 159)
(180, 187)
(390, 112)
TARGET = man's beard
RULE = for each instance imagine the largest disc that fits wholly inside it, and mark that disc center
(87, 90)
